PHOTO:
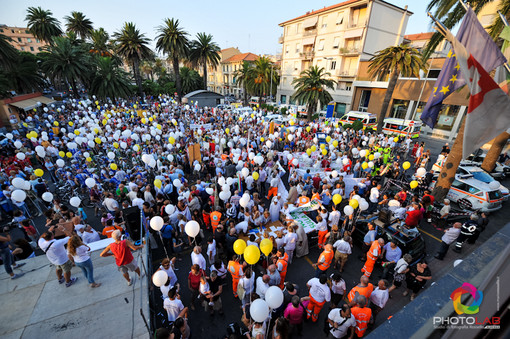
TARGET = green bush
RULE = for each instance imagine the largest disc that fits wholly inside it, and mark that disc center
(347, 126)
(283, 110)
(357, 125)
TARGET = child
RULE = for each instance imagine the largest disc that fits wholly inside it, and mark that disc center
(30, 231)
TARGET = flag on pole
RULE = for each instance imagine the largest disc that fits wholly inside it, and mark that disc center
(502, 77)
(473, 36)
(488, 113)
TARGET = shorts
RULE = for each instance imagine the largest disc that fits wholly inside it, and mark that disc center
(66, 267)
(132, 266)
(341, 257)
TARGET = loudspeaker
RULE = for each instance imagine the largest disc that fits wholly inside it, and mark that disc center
(132, 222)
(385, 216)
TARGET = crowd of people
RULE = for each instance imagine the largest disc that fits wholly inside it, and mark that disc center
(216, 183)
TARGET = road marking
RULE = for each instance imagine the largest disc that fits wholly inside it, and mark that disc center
(430, 235)
(309, 261)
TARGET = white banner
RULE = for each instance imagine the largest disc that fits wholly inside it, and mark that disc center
(197, 126)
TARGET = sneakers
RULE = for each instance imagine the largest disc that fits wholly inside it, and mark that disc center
(16, 276)
(61, 280)
(19, 265)
(130, 282)
(72, 281)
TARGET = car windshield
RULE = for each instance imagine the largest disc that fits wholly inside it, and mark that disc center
(482, 176)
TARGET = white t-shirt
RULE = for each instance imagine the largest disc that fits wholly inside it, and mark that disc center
(261, 287)
(211, 249)
(242, 227)
(173, 308)
(343, 246)
(171, 274)
(341, 331)
(374, 195)
(338, 287)
(319, 292)
(82, 253)
(89, 237)
(290, 241)
(57, 253)
(379, 297)
(322, 226)
(334, 218)
(247, 284)
(199, 260)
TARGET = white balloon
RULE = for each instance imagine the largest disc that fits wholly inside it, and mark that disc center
(47, 196)
(357, 197)
(420, 172)
(370, 164)
(18, 144)
(224, 195)
(345, 161)
(21, 156)
(90, 182)
(377, 155)
(334, 174)
(159, 278)
(75, 201)
(274, 297)
(394, 203)
(18, 182)
(177, 183)
(363, 205)
(295, 162)
(169, 209)
(27, 186)
(157, 223)
(230, 181)
(362, 153)
(245, 172)
(60, 163)
(192, 228)
(198, 167)
(225, 188)
(221, 181)
(9, 136)
(18, 195)
(209, 190)
(289, 156)
(259, 310)
(348, 210)
(111, 155)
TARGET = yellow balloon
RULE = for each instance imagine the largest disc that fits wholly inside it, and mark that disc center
(76, 132)
(335, 143)
(337, 198)
(395, 139)
(144, 121)
(98, 107)
(96, 130)
(364, 165)
(292, 122)
(97, 140)
(308, 128)
(39, 172)
(371, 157)
(406, 165)
(313, 148)
(309, 152)
(151, 119)
(252, 115)
(62, 154)
(89, 159)
(55, 123)
(251, 254)
(158, 126)
(262, 139)
(157, 183)
(323, 146)
(97, 102)
(413, 184)
(227, 130)
(69, 154)
(354, 203)
(324, 151)
(255, 175)
(25, 124)
(328, 139)
(134, 106)
(116, 144)
(240, 118)
(113, 166)
(266, 246)
(171, 140)
(105, 122)
(239, 246)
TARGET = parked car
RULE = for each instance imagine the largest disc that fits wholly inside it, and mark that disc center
(500, 171)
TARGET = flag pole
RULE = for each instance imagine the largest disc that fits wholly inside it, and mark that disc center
(503, 18)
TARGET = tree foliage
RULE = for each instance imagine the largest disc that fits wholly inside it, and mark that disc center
(42, 24)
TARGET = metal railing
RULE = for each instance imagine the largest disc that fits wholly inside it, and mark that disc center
(310, 32)
(307, 55)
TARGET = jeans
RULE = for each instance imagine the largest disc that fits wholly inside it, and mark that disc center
(87, 269)
(7, 259)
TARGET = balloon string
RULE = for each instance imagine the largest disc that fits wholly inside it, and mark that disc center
(164, 247)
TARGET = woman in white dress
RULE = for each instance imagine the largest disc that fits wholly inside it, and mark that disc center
(302, 241)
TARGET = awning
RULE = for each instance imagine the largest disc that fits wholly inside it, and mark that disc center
(310, 22)
(25, 104)
(44, 100)
(309, 41)
(353, 33)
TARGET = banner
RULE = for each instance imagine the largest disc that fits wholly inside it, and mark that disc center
(304, 221)
(197, 126)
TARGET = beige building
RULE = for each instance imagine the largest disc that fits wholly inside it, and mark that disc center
(229, 68)
(22, 39)
(215, 74)
(337, 38)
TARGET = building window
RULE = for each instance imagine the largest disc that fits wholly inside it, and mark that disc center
(324, 21)
(32, 49)
(433, 74)
(333, 65)
(321, 45)
(298, 28)
(283, 99)
(12, 31)
(340, 18)
(19, 39)
(287, 49)
(336, 42)
(447, 117)
(298, 47)
(39, 48)
(364, 100)
(37, 40)
(399, 108)
(29, 40)
(348, 86)
(27, 32)
(296, 65)
(1, 30)
(284, 81)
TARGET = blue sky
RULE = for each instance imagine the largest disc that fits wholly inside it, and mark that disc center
(252, 26)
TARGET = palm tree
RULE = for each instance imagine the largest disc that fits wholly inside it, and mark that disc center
(110, 80)
(8, 53)
(79, 24)
(173, 40)
(67, 63)
(100, 44)
(394, 60)
(24, 76)
(205, 51)
(191, 80)
(242, 76)
(451, 12)
(133, 47)
(311, 87)
(260, 77)
(147, 68)
(42, 24)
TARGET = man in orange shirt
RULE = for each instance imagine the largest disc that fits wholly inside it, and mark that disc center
(362, 314)
(364, 288)
(281, 265)
(216, 218)
(324, 260)
(236, 270)
(110, 227)
(373, 254)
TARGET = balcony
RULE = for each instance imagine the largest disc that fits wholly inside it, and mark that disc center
(280, 39)
(310, 32)
(307, 55)
(358, 24)
(350, 73)
(349, 51)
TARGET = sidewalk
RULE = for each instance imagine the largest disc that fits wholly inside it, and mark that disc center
(37, 306)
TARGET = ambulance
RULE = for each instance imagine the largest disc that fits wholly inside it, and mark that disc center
(401, 127)
(369, 120)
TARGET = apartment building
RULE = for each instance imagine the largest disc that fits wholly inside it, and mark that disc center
(215, 74)
(229, 68)
(22, 39)
(338, 38)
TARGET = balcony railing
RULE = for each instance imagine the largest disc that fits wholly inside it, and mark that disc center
(280, 39)
(358, 24)
(310, 32)
(350, 73)
(307, 55)
(347, 51)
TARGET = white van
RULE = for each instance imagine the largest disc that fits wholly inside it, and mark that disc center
(401, 127)
(369, 120)
(254, 101)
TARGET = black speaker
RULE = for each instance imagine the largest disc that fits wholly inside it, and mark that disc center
(385, 216)
(132, 222)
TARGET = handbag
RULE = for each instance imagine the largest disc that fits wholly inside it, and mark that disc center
(240, 292)
(399, 276)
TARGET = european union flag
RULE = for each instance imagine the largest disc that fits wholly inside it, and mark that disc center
(477, 42)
